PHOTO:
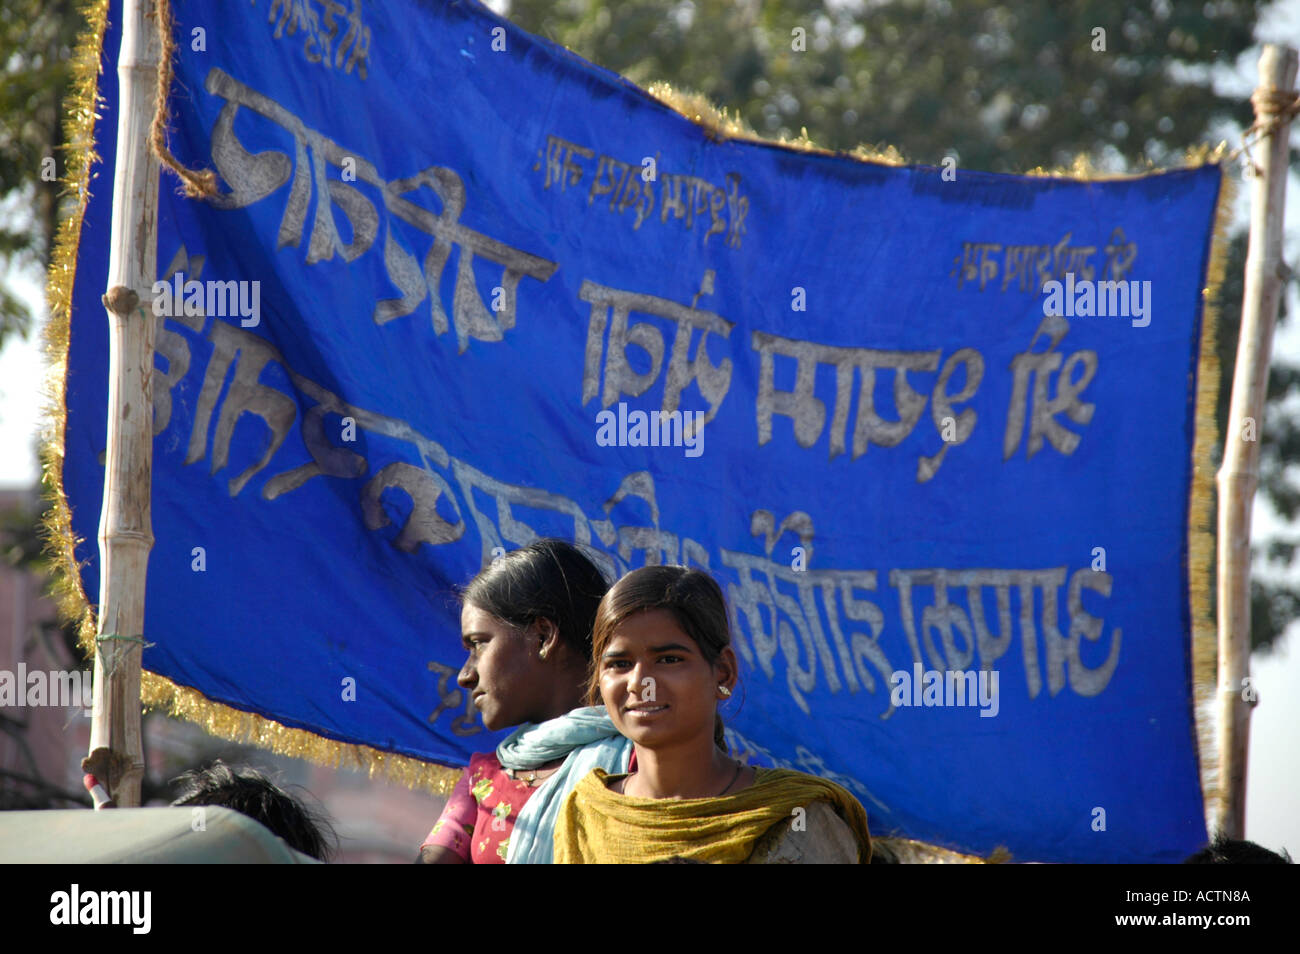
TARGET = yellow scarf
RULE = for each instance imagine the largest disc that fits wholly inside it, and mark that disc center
(597, 826)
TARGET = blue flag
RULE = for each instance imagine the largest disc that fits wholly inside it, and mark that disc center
(932, 430)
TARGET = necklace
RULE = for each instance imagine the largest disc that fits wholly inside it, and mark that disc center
(732, 782)
(629, 775)
(531, 778)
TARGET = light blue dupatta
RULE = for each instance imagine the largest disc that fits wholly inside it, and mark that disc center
(589, 740)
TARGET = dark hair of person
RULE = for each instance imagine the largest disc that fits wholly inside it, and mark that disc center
(1230, 851)
(692, 597)
(678, 860)
(550, 579)
(252, 793)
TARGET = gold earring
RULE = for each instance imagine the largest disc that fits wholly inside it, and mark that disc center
(543, 655)
(726, 693)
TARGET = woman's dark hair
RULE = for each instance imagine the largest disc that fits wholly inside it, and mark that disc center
(549, 579)
(252, 793)
(1232, 851)
(693, 598)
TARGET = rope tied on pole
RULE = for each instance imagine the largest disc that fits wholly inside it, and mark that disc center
(126, 639)
(116, 637)
(195, 183)
(1273, 107)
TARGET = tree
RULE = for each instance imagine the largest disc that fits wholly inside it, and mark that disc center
(36, 41)
(1003, 86)
(999, 85)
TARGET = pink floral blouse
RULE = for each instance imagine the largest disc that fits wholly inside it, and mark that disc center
(480, 813)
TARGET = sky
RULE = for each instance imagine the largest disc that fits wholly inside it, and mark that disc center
(1273, 790)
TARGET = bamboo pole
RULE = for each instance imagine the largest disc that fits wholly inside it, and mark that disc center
(116, 755)
(1239, 475)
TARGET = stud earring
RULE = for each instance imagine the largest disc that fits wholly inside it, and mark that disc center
(726, 693)
(542, 654)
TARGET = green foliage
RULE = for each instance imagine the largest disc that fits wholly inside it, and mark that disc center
(1002, 86)
(36, 40)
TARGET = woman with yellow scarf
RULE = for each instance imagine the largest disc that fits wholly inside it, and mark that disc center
(662, 661)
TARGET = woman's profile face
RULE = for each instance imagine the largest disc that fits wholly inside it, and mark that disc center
(656, 684)
(503, 670)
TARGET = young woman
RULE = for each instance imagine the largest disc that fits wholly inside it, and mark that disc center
(662, 662)
(526, 624)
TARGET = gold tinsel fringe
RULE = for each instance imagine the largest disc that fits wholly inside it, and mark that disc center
(79, 156)
(721, 126)
(1201, 553)
(157, 692)
(235, 725)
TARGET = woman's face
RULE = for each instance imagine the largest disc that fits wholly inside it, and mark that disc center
(657, 686)
(503, 671)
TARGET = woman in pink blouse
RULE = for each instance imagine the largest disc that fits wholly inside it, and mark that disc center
(526, 624)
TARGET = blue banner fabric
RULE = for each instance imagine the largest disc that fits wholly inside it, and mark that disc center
(931, 429)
